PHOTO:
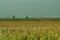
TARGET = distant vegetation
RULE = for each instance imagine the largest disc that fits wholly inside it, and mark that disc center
(30, 19)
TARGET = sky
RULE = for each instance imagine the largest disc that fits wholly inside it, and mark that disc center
(30, 8)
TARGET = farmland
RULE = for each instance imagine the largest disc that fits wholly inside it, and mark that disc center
(29, 30)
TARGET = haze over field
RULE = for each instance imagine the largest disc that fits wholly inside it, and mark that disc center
(31, 8)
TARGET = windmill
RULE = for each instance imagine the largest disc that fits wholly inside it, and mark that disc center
(12, 14)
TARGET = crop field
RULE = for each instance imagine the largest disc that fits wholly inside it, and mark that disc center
(29, 30)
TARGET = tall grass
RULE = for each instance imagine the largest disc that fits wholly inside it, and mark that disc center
(30, 30)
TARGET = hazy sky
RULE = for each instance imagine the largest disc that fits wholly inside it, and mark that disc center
(31, 8)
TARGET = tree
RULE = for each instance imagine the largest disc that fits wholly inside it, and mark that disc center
(26, 17)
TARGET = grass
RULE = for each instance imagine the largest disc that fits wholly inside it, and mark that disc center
(29, 30)
(10, 36)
